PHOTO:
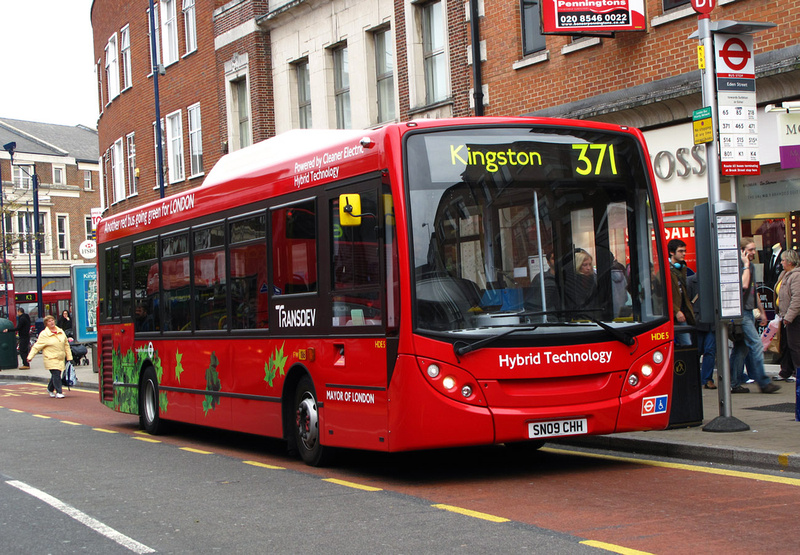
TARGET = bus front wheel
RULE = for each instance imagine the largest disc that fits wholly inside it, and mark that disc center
(306, 425)
(149, 415)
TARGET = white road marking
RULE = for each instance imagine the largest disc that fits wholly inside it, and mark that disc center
(83, 518)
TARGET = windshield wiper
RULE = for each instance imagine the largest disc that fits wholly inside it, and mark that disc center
(621, 336)
(462, 348)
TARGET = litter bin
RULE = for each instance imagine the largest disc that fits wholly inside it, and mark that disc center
(687, 395)
(8, 345)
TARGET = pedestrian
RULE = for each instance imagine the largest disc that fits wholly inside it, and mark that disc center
(789, 264)
(706, 337)
(65, 321)
(749, 349)
(53, 343)
(682, 312)
(789, 308)
(23, 330)
(581, 283)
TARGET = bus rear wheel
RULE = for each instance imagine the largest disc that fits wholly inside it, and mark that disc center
(306, 425)
(149, 415)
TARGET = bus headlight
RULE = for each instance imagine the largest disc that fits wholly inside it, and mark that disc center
(658, 357)
(433, 370)
(647, 370)
(449, 382)
(633, 380)
(466, 391)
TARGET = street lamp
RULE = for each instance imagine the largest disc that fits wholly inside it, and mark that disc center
(7, 146)
(10, 147)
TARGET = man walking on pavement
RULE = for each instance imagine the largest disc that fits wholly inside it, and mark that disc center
(682, 312)
(749, 349)
(24, 330)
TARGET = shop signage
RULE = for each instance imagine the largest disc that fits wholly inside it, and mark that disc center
(736, 99)
(789, 139)
(592, 16)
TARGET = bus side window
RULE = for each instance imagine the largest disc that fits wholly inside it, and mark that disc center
(356, 269)
(294, 250)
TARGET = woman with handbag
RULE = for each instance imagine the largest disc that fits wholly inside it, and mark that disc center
(53, 343)
(789, 309)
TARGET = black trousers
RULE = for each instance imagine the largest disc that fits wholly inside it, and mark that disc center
(24, 349)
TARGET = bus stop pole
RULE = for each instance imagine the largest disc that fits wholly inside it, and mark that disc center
(725, 422)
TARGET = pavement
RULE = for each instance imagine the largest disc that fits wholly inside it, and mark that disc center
(771, 442)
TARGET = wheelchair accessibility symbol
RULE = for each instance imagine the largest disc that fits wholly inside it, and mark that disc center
(655, 405)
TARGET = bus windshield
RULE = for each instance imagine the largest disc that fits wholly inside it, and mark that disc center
(547, 229)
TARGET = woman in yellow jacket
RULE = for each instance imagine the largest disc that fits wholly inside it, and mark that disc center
(53, 343)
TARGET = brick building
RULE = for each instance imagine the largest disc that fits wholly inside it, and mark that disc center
(65, 162)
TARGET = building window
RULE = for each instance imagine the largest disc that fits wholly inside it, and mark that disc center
(195, 140)
(669, 4)
(241, 113)
(433, 43)
(112, 68)
(125, 51)
(22, 176)
(532, 38)
(163, 150)
(384, 66)
(88, 228)
(87, 180)
(303, 94)
(341, 87)
(155, 58)
(190, 25)
(118, 170)
(59, 175)
(169, 31)
(62, 232)
(175, 146)
(26, 233)
(130, 147)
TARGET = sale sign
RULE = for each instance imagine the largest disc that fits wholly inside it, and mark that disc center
(592, 16)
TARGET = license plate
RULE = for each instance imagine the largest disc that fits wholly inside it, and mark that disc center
(555, 428)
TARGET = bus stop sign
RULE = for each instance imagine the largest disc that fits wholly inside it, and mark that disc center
(703, 6)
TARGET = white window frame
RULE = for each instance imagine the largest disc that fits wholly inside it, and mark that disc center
(22, 176)
(303, 77)
(88, 228)
(384, 74)
(169, 31)
(62, 236)
(112, 68)
(87, 180)
(59, 174)
(125, 52)
(193, 116)
(341, 86)
(118, 170)
(130, 154)
(174, 123)
(157, 25)
(434, 55)
(190, 25)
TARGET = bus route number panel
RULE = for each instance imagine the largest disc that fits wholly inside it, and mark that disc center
(555, 428)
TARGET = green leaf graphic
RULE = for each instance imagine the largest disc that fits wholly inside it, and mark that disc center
(276, 364)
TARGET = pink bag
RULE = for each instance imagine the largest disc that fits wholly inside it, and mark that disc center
(769, 332)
